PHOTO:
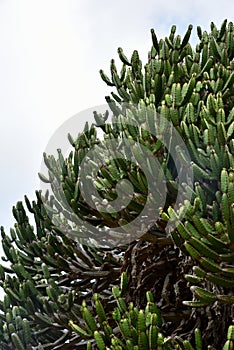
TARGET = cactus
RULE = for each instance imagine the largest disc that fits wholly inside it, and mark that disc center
(135, 329)
(44, 286)
(193, 89)
(188, 270)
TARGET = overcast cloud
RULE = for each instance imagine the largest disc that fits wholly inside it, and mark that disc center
(50, 55)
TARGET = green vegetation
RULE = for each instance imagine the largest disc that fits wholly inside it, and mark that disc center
(176, 284)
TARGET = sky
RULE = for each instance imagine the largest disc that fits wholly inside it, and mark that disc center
(51, 52)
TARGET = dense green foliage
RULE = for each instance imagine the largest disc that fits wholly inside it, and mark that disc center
(136, 329)
(189, 270)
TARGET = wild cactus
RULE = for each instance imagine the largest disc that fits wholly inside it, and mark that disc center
(136, 329)
(44, 286)
(193, 89)
(51, 271)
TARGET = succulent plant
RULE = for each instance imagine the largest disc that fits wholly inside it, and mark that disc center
(48, 277)
(135, 329)
(193, 89)
(53, 266)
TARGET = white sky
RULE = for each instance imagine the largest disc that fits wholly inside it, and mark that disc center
(50, 55)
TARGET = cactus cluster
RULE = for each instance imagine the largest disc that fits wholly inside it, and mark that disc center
(193, 89)
(135, 329)
(48, 277)
(209, 240)
(53, 271)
